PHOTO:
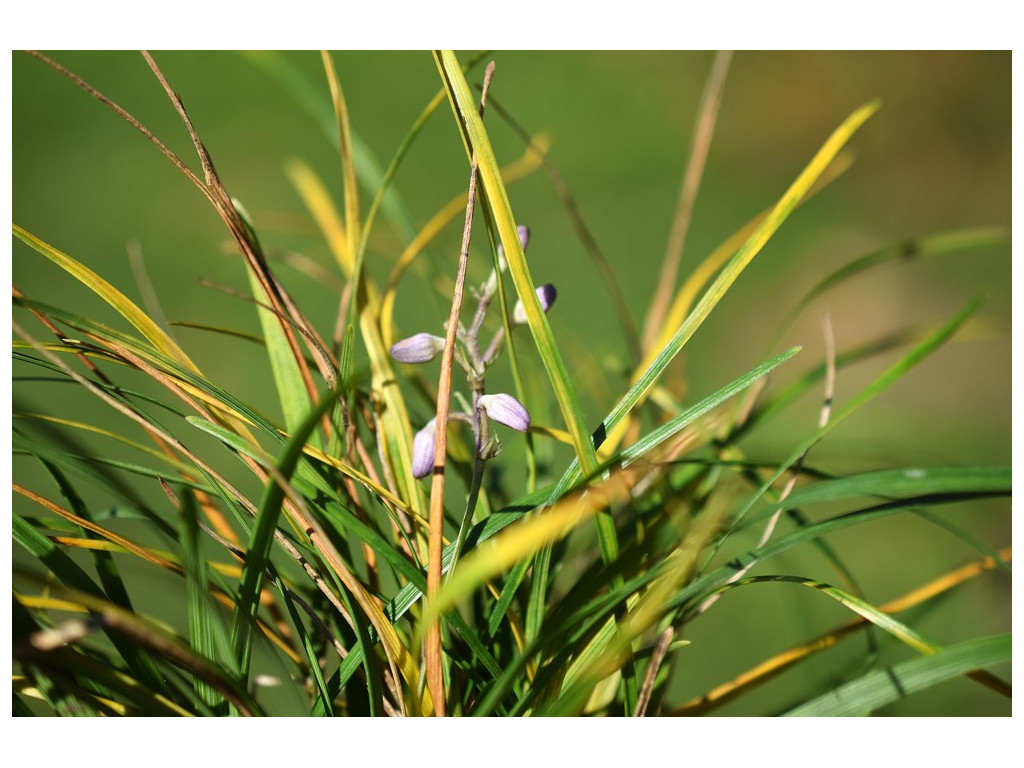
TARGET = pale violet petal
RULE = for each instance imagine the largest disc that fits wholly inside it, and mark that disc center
(506, 410)
(417, 349)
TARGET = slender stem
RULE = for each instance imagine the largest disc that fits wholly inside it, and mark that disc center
(432, 646)
(652, 671)
(480, 434)
(702, 133)
(495, 346)
(128, 118)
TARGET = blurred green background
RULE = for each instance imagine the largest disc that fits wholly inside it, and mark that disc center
(936, 157)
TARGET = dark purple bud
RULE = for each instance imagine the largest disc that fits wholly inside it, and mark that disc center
(506, 410)
(546, 295)
(417, 349)
(423, 449)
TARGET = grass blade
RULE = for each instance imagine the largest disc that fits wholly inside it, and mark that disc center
(201, 613)
(886, 686)
(614, 424)
(121, 303)
(262, 537)
(291, 389)
(889, 377)
(703, 129)
(770, 668)
(479, 144)
(899, 483)
(936, 244)
(71, 575)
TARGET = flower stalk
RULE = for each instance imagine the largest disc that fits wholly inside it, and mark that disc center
(462, 345)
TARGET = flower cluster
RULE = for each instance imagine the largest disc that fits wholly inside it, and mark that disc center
(502, 408)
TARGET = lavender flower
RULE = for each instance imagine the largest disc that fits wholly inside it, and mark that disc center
(506, 410)
(546, 295)
(524, 235)
(417, 349)
(423, 449)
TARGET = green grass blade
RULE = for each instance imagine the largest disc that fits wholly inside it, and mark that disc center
(72, 576)
(113, 391)
(937, 244)
(112, 584)
(967, 537)
(704, 585)
(180, 466)
(889, 377)
(313, 100)
(790, 394)
(634, 452)
(883, 621)
(219, 329)
(78, 463)
(570, 625)
(465, 107)
(674, 425)
(201, 613)
(409, 594)
(899, 483)
(156, 639)
(385, 192)
(291, 390)
(886, 686)
(879, 618)
(262, 537)
(508, 591)
(478, 143)
(324, 699)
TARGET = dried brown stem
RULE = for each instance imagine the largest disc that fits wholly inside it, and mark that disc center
(432, 647)
(780, 662)
(127, 117)
(702, 133)
(652, 671)
(52, 327)
(218, 195)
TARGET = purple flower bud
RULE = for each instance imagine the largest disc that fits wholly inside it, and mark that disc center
(524, 235)
(417, 349)
(423, 449)
(506, 410)
(546, 295)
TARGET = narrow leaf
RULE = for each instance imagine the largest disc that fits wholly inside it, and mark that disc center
(886, 686)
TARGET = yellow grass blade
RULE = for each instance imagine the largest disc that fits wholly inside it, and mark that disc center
(524, 166)
(615, 424)
(111, 295)
(466, 113)
(397, 433)
(523, 539)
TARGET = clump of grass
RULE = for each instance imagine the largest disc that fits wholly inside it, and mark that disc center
(334, 570)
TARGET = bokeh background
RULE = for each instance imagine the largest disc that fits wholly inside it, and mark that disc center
(936, 157)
